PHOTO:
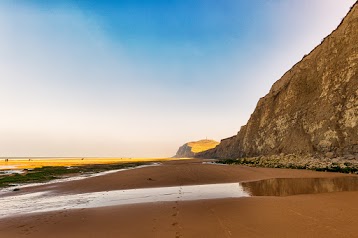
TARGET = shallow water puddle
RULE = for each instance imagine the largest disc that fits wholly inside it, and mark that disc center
(11, 171)
(45, 201)
(295, 186)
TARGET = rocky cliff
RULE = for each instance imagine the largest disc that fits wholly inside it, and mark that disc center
(312, 109)
(190, 149)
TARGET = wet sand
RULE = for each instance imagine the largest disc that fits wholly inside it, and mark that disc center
(310, 215)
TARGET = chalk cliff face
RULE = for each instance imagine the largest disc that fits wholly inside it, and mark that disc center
(190, 149)
(312, 109)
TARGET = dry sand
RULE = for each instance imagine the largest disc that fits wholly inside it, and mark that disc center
(312, 215)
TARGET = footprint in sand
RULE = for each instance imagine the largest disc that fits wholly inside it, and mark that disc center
(176, 223)
(154, 228)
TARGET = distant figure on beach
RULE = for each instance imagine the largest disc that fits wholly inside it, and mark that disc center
(82, 158)
(6, 160)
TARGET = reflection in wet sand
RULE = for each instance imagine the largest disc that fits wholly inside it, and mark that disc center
(294, 186)
(47, 201)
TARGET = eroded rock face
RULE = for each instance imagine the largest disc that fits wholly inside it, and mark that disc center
(190, 149)
(312, 109)
(184, 151)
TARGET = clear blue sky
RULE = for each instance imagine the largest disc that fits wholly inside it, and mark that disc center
(140, 78)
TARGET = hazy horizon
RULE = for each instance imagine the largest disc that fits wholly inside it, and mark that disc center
(139, 79)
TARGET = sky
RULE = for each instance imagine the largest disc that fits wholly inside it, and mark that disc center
(139, 78)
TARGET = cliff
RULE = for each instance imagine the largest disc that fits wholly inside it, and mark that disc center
(312, 109)
(190, 149)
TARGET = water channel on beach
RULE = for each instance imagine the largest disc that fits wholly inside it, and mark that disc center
(47, 201)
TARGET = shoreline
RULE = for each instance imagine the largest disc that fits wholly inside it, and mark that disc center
(7, 163)
(310, 215)
(337, 165)
(175, 173)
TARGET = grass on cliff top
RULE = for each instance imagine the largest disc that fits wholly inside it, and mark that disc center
(202, 145)
(47, 173)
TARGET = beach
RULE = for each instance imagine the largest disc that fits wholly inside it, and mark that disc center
(327, 214)
(36, 162)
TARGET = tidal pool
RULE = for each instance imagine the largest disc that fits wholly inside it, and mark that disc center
(11, 171)
(295, 186)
